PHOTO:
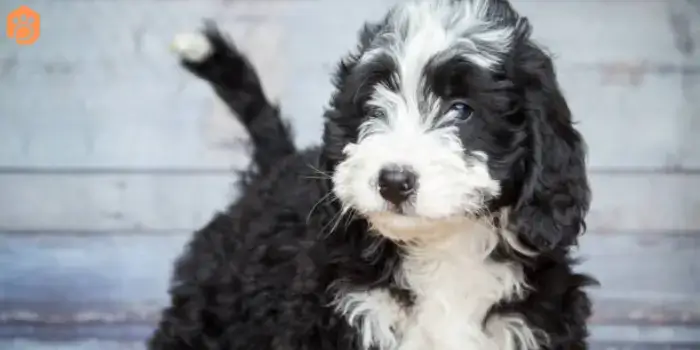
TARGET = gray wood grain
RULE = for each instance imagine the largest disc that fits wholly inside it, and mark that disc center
(118, 345)
(112, 95)
(127, 270)
(644, 202)
(114, 345)
(651, 278)
(183, 201)
(104, 202)
(116, 98)
(66, 289)
(94, 344)
(642, 125)
(176, 127)
(110, 154)
(122, 278)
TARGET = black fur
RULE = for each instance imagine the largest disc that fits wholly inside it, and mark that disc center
(555, 195)
(260, 275)
(236, 82)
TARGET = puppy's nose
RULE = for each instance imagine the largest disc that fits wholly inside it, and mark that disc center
(396, 183)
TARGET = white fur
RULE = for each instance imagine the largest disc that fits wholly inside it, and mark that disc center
(193, 47)
(374, 314)
(455, 284)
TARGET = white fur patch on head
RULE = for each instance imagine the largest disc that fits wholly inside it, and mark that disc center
(419, 30)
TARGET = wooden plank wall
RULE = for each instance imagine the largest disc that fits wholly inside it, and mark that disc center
(110, 155)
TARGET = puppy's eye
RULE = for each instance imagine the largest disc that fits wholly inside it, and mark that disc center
(373, 112)
(462, 110)
(377, 113)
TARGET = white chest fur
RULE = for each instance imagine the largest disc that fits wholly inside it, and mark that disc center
(455, 284)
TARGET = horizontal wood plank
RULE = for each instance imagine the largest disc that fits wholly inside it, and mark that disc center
(56, 289)
(93, 341)
(115, 98)
(615, 30)
(645, 337)
(106, 202)
(55, 279)
(556, 24)
(93, 33)
(644, 202)
(593, 31)
(139, 110)
(184, 201)
(86, 344)
(645, 277)
(97, 344)
(646, 124)
(114, 271)
(163, 125)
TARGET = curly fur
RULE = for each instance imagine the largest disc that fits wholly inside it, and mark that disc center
(311, 258)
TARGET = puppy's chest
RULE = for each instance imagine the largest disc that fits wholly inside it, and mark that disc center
(453, 295)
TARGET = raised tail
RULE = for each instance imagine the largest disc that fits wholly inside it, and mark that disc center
(214, 58)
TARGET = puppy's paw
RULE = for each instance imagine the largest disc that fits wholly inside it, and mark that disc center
(193, 47)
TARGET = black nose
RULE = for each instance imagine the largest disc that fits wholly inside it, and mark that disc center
(396, 183)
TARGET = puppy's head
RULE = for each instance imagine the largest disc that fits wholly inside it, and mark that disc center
(448, 112)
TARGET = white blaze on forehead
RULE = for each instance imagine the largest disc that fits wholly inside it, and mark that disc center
(415, 34)
(420, 30)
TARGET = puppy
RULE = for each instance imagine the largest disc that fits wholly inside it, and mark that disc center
(438, 212)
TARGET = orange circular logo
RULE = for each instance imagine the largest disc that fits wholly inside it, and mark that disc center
(23, 25)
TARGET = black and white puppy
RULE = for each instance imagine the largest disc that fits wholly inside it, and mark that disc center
(438, 213)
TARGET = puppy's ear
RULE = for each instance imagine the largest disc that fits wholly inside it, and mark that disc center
(341, 118)
(338, 116)
(555, 195)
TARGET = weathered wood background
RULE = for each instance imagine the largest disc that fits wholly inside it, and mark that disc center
(110, 154)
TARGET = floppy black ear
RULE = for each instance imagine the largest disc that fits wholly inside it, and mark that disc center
(341, 118)
(555, 195)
